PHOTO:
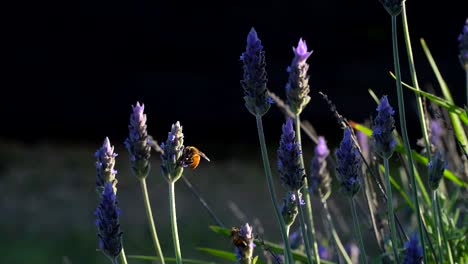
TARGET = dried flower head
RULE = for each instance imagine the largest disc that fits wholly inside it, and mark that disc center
(297, 88)
(289, 163)
(319, 174)
(436, 169)
(107, 220)
(383, 127)
(290, 208)
(137, 142)
(463, 46)
(393, 7)
(105, 162)
(254, 83)
(173, 149)
(413, 251)
(348, 165)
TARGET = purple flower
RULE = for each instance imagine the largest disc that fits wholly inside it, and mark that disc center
(463, 46)
(172, 151)
(297, 88)
(383, 127)
(323, 252)
(107, 221)
(437, 132)
(295, 239)
(289, 164)
(319, 174)
(137, 142)
(436, 169)
(348, 165)
(244, 243)
(105, 162)
(393, 7)
(254, 83)
(413, 251)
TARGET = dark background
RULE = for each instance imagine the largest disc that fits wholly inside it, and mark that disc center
(77, 67)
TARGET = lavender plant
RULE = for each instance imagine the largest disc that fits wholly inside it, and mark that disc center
(105, 162)
(463, 56)
(413, 251)
(244, 244)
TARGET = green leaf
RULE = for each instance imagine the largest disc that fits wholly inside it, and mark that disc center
(254, 261)
(219, 253)
(452, 108)
(153, 258)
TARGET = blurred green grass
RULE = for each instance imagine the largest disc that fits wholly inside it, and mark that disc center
(48, 200)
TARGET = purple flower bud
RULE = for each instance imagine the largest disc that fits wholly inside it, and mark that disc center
(105, 162)
(324, 253)
(255, 76)
(172, 151)
(137, 142)
(348, 165)
(297, 88)
(393, 7)
(295, 239)
(289, 164)
(463, 46)
(436, 169)
(244, 243)
(319, 174)
(107, 221)
(383, 127)
(413, 251)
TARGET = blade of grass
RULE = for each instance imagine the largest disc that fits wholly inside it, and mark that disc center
(154, 258)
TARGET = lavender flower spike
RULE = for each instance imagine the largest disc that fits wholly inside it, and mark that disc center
(289, 165)
(348, 165)
(245, 244)
(463, 46)
(137, 142)
(105, 162)
(297, 88)
(413, 251)
(436, 169)
(173, 149)
(393, 7)
(254, 83)
(107, 221)
(290, 208)
(383, 127)
(319, 174)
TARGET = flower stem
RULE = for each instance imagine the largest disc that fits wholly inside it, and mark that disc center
(304, 230)
(122, 257)
(271, 187)
(306, 195)
(357, 230)
(175, 234)
(149, 214)
(437, 226)
(421, 112)
(444, 235)
(401, 110)
(391, 217)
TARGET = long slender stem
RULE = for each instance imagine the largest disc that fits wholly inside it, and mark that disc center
(305, 237)
(123, 257)
(149, 214)
(305, 193)
(414, 78)
(357, 230)
(175, 233)
(444, 235)
(271, 187)
(437, 226)
(401, 108)
(391, 218)
(335, 236)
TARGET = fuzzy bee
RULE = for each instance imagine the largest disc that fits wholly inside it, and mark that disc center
(237, 239)
(191, 157)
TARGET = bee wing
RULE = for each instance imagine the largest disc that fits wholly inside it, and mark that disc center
(203, 155)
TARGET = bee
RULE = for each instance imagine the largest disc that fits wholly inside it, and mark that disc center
(191, 157)
(237, 240)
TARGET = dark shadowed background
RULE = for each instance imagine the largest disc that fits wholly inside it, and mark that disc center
(74, 68)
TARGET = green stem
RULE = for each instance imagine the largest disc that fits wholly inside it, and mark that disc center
(149, 215)
(391, 218)
(444, 234)
(401, 108)
(175, 233)
(437, 226)
(335, 236)
(305, 237)
(122, 257)
(306, 195)
(271, 187)
(414, 78)
(357, 230)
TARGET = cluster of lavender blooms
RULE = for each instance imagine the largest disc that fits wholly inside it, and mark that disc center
(463, 46)
(319, 175)
(173, 149)
(289, 164)
(244, 244)
(348, 165)
(297, 88)
(384, 125)
(105, 162)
